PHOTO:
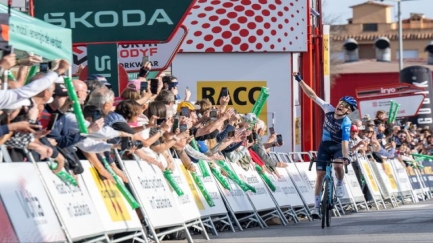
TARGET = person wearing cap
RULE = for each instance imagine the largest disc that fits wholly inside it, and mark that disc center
(100, 78)
(356, 144)
(132, 92)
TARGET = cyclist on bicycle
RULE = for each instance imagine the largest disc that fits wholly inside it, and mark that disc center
(335, 139)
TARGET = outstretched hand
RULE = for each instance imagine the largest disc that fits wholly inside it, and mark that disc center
(297, 76)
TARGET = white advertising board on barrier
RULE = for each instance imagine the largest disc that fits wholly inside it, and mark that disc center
(369, 177)
(114, 211)
(285, 193)
(74, 206)
(353, 184)
(236, 198)
(387, 174)
(261, 199)
(25, 209)
(401, 176)
(187, 202)
(154, 194)
(347, 196)
(303, 186)
(308, 176)
(211, 186)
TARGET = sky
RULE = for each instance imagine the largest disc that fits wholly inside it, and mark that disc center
(341, 8)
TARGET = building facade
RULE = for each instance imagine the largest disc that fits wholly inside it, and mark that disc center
(372, 20)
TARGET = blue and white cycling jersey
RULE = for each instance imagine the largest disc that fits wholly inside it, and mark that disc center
(335, 130)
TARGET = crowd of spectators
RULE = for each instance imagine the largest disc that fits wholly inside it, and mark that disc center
(379, 141)
(149, 120)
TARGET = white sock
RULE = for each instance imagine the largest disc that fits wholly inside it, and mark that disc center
(317, 202)
(339, 182)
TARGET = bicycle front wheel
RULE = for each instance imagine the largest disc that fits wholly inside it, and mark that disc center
(324, 205)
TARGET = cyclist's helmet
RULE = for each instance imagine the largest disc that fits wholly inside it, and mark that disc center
(351, 101)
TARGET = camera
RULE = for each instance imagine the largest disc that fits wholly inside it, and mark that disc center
(127, 143)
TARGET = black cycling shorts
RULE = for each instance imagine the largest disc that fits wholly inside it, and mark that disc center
(328, 150)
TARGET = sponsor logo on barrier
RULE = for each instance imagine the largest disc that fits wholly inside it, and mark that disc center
(112, 198)
(31, 205)
(194, 191)
(388, 171)
(243, 94)
(370, 177)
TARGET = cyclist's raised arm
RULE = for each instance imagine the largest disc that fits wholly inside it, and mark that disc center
(326, 107)
(308, 91)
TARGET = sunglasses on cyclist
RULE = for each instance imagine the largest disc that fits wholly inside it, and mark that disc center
(344, 104)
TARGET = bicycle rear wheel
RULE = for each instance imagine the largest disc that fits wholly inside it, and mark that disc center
(324, 204)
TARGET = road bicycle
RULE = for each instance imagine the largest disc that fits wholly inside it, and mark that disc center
(328, 196)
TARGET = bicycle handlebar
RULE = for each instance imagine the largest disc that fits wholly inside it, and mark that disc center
(330, 161)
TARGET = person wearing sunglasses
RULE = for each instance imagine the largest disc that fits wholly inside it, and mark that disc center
(335, 139)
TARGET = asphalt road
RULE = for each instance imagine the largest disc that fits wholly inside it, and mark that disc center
(406, 223)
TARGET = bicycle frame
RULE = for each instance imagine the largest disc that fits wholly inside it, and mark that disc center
(329, 178)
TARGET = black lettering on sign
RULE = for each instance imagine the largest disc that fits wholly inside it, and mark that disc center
(236, 98)
(30, 204)
(208, 93)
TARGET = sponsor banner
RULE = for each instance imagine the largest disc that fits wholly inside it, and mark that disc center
(369, 177)
(383, 180)
(427, 173)
(154, 194)
(392, 90)
(211, 186)
(414, 179)
(113, 210)
(401, 176)
(261, 199)
(27, 205)
(74, 206)
(102, 60)
(353, 184)
(111, 21)
(235, 197)
(160, 55)
(285, 193)
(187, 202)
(243, 94)
(387, 168)
(302, 183)
(409, 105)
(35, 36)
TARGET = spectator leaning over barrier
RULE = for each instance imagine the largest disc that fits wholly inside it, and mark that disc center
(260, 147)
(12, 96)
(356, 144)
(20, 140)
